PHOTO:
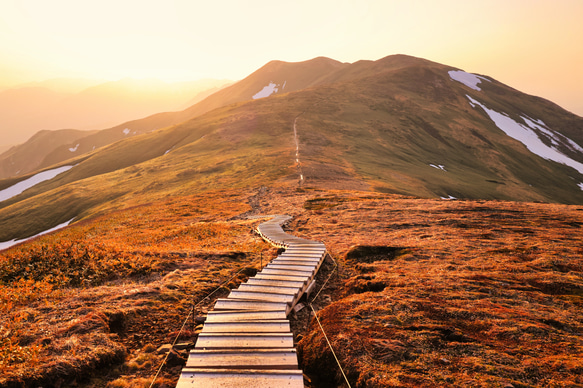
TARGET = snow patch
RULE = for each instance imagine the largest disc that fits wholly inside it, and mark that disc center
(126, 131)
(448, 198)
(73, 149)
(580, 186)
(19, 187)
(438, 166)
(267, 91)
(555, 137)
(8, 244)
(468, 79)
(526, 135)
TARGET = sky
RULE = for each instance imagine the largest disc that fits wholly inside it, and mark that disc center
(531, 45)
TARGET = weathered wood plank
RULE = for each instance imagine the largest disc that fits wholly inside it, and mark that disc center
(263, 326)
(261, 296)
(242, 304)
(243, 359)
(243, 315)
(238, 340)
(241, 379)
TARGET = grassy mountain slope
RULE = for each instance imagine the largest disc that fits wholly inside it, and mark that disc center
(289, 76)
(391, 126)
(435, 293)
(236, 146)
(27, 157)
(382, 131)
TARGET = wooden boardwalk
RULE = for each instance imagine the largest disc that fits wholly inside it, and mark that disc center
(246, 340)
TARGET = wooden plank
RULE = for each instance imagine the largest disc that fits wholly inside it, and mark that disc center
(271, 289)
(261, 296)
(251, 378)
(301, 255)
(242, 304)
(243, 359)
(307, 243)
(293, 260)
(283, 277)
(274, 282)
(267, 326)
(243, 315)
(286, 272)
(315, 252)
(294, 266)
(238, 340)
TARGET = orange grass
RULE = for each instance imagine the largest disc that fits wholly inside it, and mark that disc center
(96, 292)
(463, 293)
(475, 293)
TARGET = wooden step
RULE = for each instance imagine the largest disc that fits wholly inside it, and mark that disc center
(243, 359)
(306, 249)
(271, 289)
(242, 304)
(292, 261)
(307, 244)
(249, 378)
(293, 267)
(263, 326)
(286, 272)
(243, 315)
(261, 296)
(294, 278)
(244, 340)
(274, 282)
(295, 254)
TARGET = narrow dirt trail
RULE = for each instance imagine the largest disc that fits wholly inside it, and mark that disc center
(298, 163)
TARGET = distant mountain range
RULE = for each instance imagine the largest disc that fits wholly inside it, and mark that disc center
(83, 104)
(397, 125)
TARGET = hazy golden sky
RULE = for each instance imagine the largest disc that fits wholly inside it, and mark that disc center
(532, 45)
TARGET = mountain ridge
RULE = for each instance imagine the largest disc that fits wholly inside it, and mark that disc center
(399, 125)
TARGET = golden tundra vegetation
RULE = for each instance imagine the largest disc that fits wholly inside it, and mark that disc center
(427, 292)
(482, 291)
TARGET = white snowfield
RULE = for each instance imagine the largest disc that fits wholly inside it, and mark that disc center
(8, 244)
(19, 187)
(268, 90)
(526, 134)
(468, 79)
(73, 149)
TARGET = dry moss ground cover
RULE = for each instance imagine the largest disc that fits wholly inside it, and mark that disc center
(88, 306)
(430, 292)
(448, 293)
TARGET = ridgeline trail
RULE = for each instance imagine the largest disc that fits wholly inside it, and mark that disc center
(298, 163)
(246, 340)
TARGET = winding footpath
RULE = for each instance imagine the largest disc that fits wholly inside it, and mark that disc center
(246, 340)
(298, 163)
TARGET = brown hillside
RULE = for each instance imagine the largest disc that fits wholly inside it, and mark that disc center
(456, 293)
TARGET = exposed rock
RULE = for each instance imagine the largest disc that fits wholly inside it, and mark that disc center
(176, 358)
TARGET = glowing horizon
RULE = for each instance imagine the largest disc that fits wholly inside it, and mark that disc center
(531, 46)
